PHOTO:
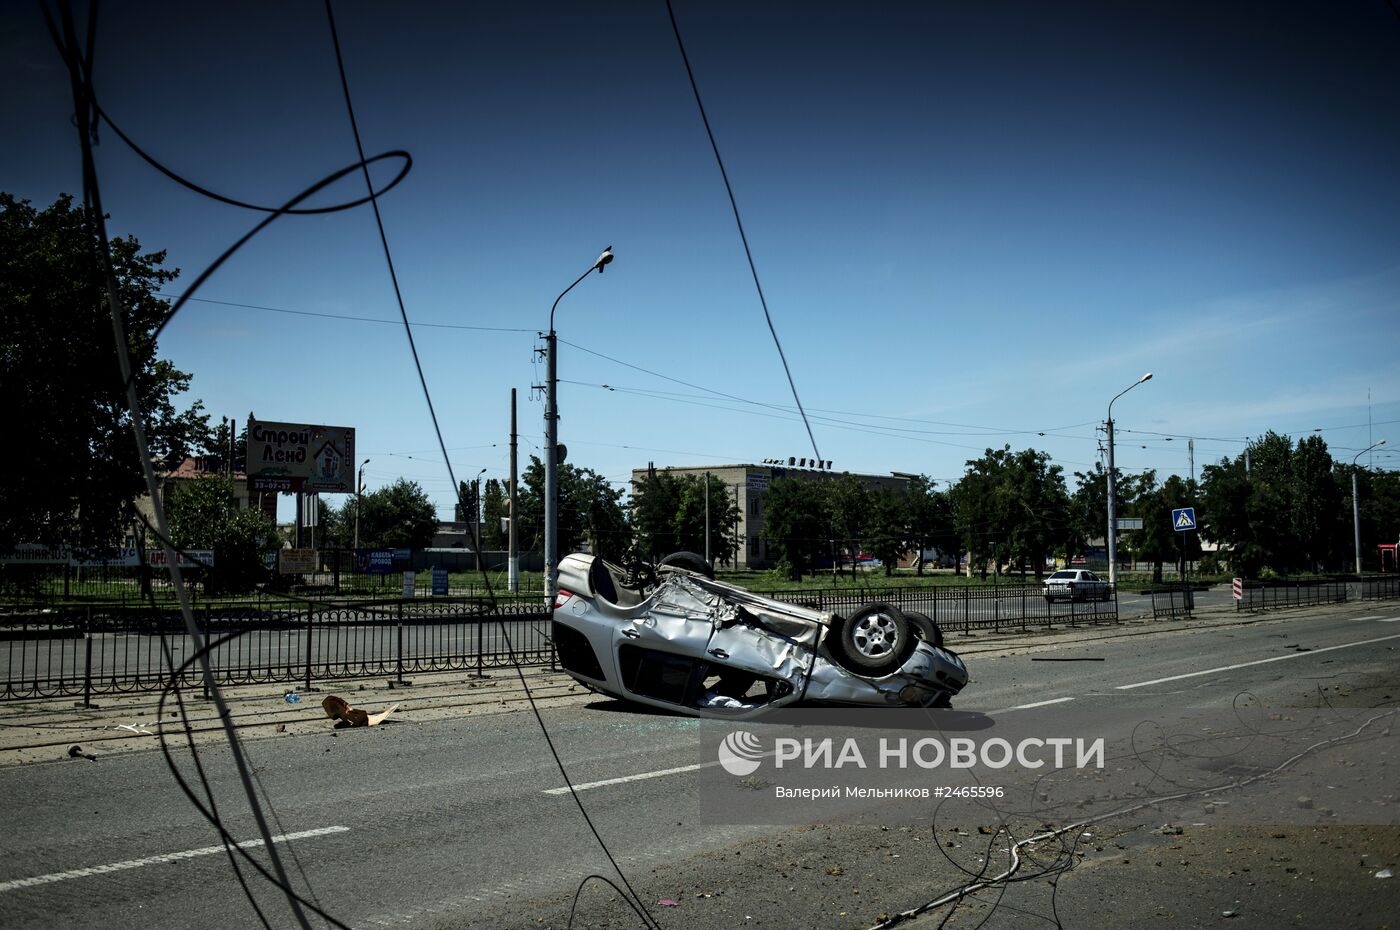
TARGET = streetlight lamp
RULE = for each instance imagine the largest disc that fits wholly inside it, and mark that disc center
(551, 441)
(1113, 488)
(476, 515)
(359, 499)
(1355, 507)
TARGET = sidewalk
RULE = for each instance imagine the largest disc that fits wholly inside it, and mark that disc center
(43, 730)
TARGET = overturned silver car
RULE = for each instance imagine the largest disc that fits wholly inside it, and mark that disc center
(675, 638)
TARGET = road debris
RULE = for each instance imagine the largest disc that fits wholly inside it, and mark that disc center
(134, 728)
(1385, 873)
(76, 752)
(668, 902)
(339, 709)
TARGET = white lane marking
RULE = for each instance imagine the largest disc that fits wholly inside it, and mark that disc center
(1375, 617)
(1008, 710)
(1229, 668)
(642, 776)
(1388, 619)
(158, 860)
(626, 778)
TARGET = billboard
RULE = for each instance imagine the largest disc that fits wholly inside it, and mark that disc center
(300, 457)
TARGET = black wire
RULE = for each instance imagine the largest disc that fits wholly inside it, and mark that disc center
(213, 813)
(343, 316)
(636, 901)
(80, 79)
(739, 222)
(398, 293)
(80, 75)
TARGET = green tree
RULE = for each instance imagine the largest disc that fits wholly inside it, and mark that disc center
(1012, 506)
(468, 506)
(226, 447)
(1316, 521)
(1088, 510)
(848, 509)
(79, 475)
(204, 514)
(656, 500)
(1379, 496)
(931, 524)
(796, 523)
(689, 521)
(1288, 512)
(496, 507)
(397, 516)
(888, 528)
(590, 511)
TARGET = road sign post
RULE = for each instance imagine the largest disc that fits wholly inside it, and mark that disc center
(1184, 521)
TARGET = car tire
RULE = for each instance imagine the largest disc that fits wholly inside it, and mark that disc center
(924, 628)
(690, 561)
(874, 640)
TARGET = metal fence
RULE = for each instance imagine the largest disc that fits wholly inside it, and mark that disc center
(1176, 601)
(94, 650)
(1380, 587)
(965, 609)
(1277, 593)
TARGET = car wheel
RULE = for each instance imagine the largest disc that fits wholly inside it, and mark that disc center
(691, 562)
(924, 628)
(874, 640)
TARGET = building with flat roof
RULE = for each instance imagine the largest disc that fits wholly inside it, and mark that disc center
(748, 483)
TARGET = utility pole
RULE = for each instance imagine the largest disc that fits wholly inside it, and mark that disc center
(513, 572)
(1113, 489)
(551, 440)
(707, 517)
(1355, 506)
(1246, 458)
(359, 499)
(1191, 452)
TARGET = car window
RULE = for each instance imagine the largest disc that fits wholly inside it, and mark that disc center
(1090, 576)
(1062, 575)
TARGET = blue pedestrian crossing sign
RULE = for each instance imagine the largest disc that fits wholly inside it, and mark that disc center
(1184, 518)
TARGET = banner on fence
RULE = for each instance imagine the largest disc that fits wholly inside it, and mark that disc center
(374, 561)
(29, 554)
(439, 580)
(296, 561)
(189, 558)
(408, 581)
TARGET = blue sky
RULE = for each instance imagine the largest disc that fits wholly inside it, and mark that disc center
(974, 222)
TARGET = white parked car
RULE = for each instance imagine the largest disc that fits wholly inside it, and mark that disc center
(1076, 584)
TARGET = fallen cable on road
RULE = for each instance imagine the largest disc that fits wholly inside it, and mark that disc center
(970, 888)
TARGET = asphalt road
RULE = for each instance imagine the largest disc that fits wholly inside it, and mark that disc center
(459, 823)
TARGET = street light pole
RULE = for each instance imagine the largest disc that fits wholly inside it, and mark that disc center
(475, 518)
(551, 440)
(1113, 488)
(1355, 507)
(359, 499)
